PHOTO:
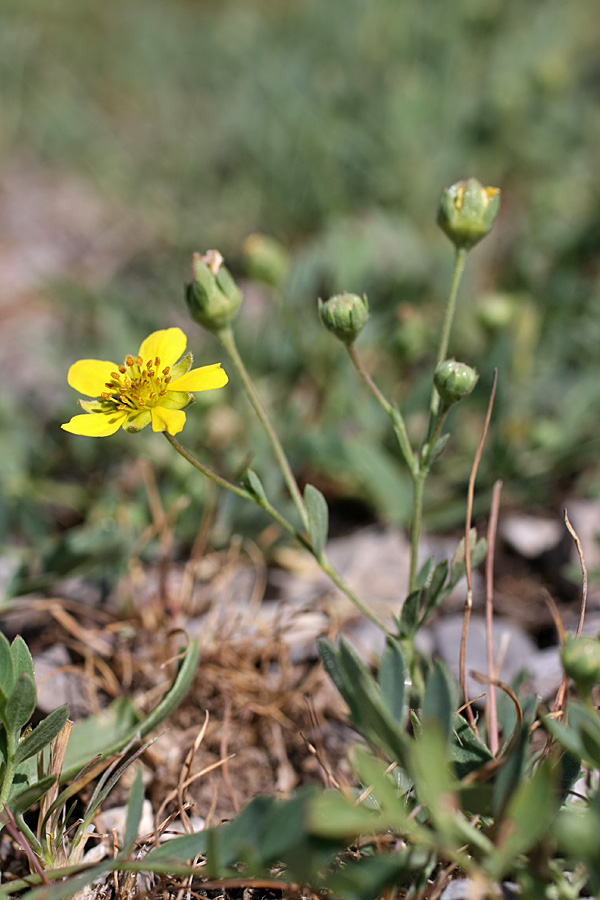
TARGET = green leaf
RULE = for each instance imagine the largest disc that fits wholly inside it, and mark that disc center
(393, 675)
(98, 734)
(457, 565)
(439, 702)
(435, 593)
(440, 446)
(528, 820)
(330, 657)
(111, 731)
(134, 813)
(255, 486)
(7, 670)
(318, 518)
(434, 781)
(21, 703)
(332, 815)
(21, 657)
(22, 800)
(467, 751)
(425, 571)
(409, 616)
(42, 734)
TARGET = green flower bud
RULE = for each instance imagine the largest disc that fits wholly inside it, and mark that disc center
(267, 260)
(213, 298)
(467, 211)
(345, 315)
(453, 381)
(581, 661)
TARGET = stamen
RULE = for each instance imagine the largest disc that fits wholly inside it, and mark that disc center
(159, 380)
(121, 406)
(129, 360)
(149, 364)
(152, 395)
(166, 370)
(139, 361)
(162, 393)
(157, 361)
(109, 384)
(114, 375)
(167, 379)
(105, 395)
(122, 370)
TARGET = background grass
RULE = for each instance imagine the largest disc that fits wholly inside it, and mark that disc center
(332, 125)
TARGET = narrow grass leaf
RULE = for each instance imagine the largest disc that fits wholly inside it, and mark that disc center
(134, 813)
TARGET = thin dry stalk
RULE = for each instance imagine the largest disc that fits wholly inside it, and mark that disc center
(491, 711)
(584, 587)
(223, 751)
(562, 691)
(469, 599)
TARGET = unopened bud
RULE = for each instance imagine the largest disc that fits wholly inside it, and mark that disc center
(345, 315)
(213, 298)
(453, 381)
(267, 260)
(581, 661)
(467, 211)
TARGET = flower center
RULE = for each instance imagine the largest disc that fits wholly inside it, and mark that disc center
(137, 384)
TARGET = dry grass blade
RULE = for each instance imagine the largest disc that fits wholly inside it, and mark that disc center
(469, 599)
(490, 708)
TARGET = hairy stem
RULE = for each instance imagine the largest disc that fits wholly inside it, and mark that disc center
(264, 504)
(227, 338)
(459, 267)
(392, 411)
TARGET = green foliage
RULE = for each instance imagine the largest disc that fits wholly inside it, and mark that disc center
(20, 785)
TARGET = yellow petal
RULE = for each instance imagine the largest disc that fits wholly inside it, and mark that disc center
(89, 376)
(168, 344)
(171, 420)
(207, 378)
(95, 424)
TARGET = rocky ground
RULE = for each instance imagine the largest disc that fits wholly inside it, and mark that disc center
(268, 718)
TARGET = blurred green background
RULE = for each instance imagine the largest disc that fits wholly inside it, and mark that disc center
(134, 132)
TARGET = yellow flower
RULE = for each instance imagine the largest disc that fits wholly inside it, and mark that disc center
(149, 388)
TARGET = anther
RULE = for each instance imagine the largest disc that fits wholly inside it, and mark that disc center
(166, 370)
(121, 406)
(157, 361)
(105, 395)
(167, 379)
(140, 361)
(162, 393)
(114, 375)
(129, 360)
(122, 370)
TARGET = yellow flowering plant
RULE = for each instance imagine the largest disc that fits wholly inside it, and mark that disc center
(154, 387)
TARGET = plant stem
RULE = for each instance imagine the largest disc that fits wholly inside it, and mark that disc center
(415, 526)
(392, 411)
(10, 767)
(328, 569)
(264, 504)
(227, 338)
(459, 267)
(234, 489)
